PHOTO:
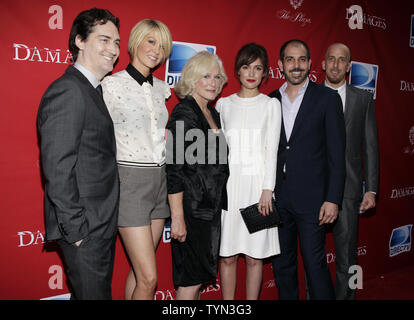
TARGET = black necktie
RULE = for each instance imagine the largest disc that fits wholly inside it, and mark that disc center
(99, 89)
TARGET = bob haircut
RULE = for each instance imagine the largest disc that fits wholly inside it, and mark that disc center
(142, 29)
(248, 54)
(84, 24)
(197, 67)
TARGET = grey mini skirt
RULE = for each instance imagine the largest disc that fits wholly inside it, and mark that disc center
(143, 195)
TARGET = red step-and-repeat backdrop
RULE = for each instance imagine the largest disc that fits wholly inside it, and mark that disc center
(34, 52)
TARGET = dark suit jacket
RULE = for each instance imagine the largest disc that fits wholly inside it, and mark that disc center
(315, 153)
(203, 177)
(78, 155)
(361, 143)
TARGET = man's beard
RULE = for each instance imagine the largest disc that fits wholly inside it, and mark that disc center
(296, 81)
(334, 80)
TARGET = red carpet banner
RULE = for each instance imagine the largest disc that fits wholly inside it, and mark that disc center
(35, 52)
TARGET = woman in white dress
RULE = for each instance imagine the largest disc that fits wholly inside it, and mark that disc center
(251, 122)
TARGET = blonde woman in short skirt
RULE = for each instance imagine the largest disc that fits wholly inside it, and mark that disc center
(136, 102)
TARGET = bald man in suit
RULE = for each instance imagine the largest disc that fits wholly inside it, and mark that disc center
(361, 162)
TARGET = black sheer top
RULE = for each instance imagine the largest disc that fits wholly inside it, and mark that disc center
(197, 160)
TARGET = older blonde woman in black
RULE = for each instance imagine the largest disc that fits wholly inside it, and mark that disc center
(196, 180)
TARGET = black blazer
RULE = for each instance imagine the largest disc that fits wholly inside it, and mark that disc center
(196, 160)
(78, 156)
(315, 153)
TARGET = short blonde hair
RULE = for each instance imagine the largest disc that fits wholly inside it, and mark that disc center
(197, 67)
(142, 29)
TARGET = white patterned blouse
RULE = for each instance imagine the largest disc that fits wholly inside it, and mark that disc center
(139, 114)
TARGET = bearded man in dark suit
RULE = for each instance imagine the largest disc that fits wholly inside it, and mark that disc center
(310, 173)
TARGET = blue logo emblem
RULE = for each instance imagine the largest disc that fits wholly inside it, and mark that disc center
(412, 32)
(181, 52)
(400, 240)
(364, 76)
(166, 235)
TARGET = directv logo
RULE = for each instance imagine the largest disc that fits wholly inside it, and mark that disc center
(181, 52)
(166, 235)
(400, 240)
(364, 76)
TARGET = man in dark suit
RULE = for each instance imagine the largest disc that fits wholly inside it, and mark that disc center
(361, 153)
(310, 173)
(78, 155)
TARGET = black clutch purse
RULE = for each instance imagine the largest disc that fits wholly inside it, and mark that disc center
(255, 221)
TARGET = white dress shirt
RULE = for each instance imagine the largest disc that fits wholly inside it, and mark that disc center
(140, 116)
(290, 109)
